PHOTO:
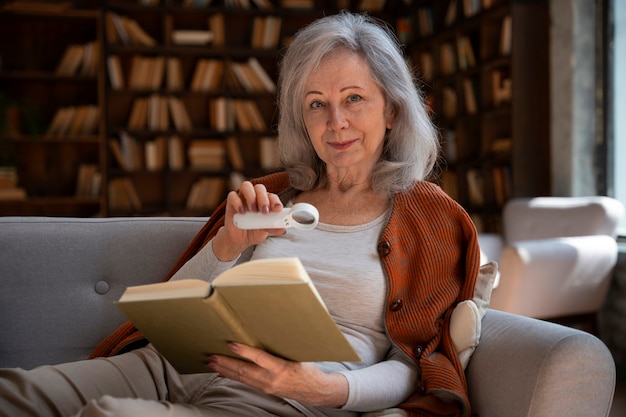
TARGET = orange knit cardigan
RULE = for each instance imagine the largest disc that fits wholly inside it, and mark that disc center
(430, 253)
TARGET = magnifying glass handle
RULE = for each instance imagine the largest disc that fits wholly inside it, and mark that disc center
(249, 220)
(302, 216)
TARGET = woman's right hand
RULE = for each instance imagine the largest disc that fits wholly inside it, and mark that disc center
(231, 241)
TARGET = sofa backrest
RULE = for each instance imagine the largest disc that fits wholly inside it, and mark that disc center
(550, 217)
(60, 277)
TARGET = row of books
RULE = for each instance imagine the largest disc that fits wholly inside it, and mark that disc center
(475, 182)
(75, 121)
(151, 73)
(123, 30)
(79, 59)
(154, 113)
(208, 154)
(205, 194)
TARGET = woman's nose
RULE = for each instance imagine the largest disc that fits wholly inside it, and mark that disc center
(337, 118)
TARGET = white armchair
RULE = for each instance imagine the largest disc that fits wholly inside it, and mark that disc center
(556, 256)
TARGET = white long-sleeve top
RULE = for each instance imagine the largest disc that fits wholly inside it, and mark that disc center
(345, 267)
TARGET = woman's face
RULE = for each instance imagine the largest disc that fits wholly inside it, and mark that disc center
(344, 113)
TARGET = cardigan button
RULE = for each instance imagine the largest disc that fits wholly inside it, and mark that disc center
(384, 248)
(396, 305)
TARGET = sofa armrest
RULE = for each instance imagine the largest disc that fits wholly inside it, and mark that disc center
(555, 277)
(531, 368)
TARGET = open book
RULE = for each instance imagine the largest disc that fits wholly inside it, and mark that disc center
(267, 303)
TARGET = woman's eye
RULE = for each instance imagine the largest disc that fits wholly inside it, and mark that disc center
(354, 98)
(316, 104)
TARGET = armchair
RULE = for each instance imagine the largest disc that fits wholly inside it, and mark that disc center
(556, 256)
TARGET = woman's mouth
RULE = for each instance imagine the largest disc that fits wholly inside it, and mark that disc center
(340, 146)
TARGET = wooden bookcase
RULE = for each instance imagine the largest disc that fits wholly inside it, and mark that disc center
(146, 157)
(169, 185)
(485, 70)
(35, 84)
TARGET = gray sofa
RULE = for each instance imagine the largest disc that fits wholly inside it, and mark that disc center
(59, 278)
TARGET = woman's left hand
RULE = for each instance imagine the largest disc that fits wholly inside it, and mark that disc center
(302, 382)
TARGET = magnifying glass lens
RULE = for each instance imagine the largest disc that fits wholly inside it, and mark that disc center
(303, 217)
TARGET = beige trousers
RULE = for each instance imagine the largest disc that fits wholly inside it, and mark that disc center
(138, 383)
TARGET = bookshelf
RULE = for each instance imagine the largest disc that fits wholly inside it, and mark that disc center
(181, 102)
(485, 69)
(50, 96)
(191, 98)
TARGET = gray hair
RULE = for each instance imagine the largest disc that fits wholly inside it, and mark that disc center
(411, 146)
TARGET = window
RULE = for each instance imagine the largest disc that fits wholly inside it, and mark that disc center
(616, 102)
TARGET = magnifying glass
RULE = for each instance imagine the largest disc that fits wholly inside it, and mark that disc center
(302, 216)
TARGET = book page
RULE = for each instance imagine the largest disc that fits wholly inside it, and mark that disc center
(185, 288)
(264, 271)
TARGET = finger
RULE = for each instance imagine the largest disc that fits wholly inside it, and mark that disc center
(248, 194)
(235, 202)
(275, 203)
(254, 355)
(262, 198)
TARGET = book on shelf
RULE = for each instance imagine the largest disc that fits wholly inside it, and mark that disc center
(74, 121)
(124, 30)
(206, 193)
(450, 102)
(207, 75)
(465, 52)
(127, 152)
(447, 58)
(71, 60)
(191, 36)
(84, 121)
(216, 26)
(469, 94)
(175, 153)
(116, 75)
(268, 153)
(179, 114)
(502, 183)
(146, 73)
(79, 59)
(174, 74)
(138, 114)
(122, 195)
(235, 157)
(426, 65)
(248, 116)
(207, 154)
(88, 181)
(155, 152)
(505, 36)
(471, 7)
(451, 13)
(9, 189)
(158, 113)
(91, 59)
(425, 21)
(252, 77)
(475, 187)
(404, 29)
(270, 304)
(266, 32)
(222, 114)
(501, 87)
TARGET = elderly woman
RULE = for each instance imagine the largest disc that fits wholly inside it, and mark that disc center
(391, 256)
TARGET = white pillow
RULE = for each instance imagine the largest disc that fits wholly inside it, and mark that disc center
(465, 322)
